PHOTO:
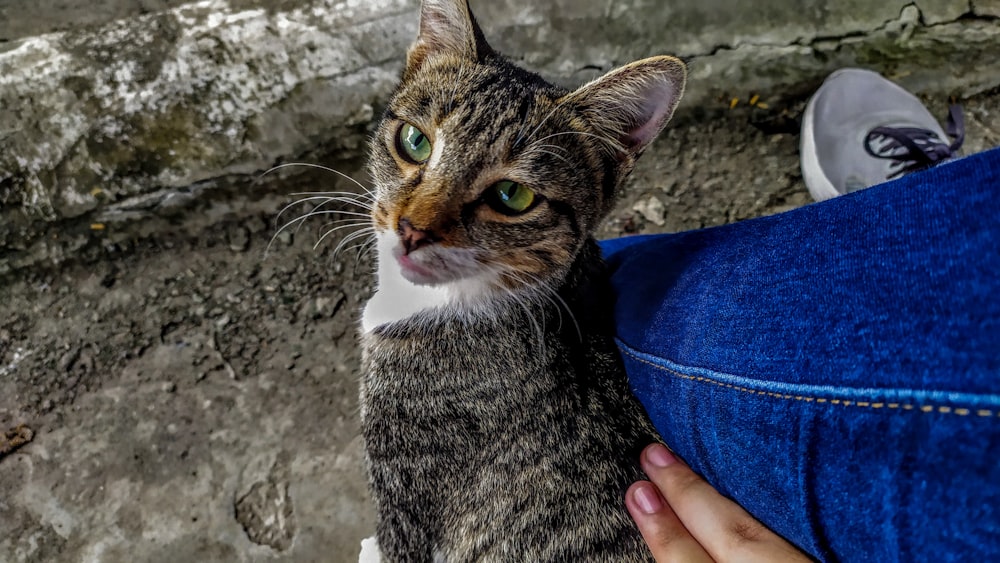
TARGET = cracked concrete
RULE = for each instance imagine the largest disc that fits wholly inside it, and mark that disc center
(986, 8)
(922, 49)
(123, 120)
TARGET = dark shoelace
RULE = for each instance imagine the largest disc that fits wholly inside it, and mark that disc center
(916, 149)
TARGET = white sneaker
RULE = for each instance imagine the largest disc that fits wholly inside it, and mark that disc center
(860, 130)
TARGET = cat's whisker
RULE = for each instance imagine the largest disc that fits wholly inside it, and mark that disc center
(348, 198)
(363, 248)
(520, 132)
(518, 297)
(350, 201)
(553, 297)
(540, 295)
(358, 247)
(309, 196)
(537, 329)
(554, 147)
(340, 199)
(319, 167)
(352, 237)
(299, 221)
(544, 291)
(350, 223)
(550, 153)
(285, 209)
(365, 198)
(346, 240)
(365, 195)
(316, 211)
(539, 126)
(368, 248)
(611, 142)
(454, 91)
(327, 234)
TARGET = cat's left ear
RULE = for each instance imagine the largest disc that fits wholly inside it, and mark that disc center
(632, 104)
(447, 27)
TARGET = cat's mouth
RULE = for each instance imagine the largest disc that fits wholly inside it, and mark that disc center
(414, 271)
(430, 265)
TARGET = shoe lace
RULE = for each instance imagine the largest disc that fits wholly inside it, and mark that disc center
(913, 148)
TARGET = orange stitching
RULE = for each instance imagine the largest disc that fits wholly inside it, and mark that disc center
(984, 413)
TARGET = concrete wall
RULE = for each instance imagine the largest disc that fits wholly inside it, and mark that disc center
(117, 115)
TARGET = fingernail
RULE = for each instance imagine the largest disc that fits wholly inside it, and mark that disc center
(660, 456)
(647, 499)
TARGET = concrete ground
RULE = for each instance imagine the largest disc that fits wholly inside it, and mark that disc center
(193, 397)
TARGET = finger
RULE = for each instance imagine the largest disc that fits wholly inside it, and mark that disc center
(720, 525)
(663, 531)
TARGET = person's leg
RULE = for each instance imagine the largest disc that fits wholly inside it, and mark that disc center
(835, 369)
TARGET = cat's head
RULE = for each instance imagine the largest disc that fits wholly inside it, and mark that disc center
(488, 176)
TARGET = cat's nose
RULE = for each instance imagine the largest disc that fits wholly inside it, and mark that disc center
(412, 237)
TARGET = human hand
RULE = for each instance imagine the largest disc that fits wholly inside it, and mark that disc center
(683, 518)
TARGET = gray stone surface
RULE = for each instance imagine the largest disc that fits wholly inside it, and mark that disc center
(117, 117)
(986, 8)
(189, 403)
(141, 115)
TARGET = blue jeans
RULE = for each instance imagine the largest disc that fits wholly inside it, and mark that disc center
(835, 369)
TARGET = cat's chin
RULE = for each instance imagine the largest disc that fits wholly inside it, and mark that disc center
(417, 274)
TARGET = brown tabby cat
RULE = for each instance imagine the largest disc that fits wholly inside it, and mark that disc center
(497, 417)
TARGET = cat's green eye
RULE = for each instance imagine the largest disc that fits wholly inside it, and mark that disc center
(513, 197)
(413, 144)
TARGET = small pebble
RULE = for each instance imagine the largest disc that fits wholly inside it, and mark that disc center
(652, 209)
(285, 237)
(239, 239)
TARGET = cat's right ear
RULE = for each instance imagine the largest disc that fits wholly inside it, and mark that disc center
(632, 104)
(447, 27)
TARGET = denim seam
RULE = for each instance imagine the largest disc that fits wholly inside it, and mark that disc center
(872, 405)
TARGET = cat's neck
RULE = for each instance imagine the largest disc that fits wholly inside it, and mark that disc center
(398, 299)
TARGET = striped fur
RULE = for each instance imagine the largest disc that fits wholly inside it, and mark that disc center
(497, 418)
